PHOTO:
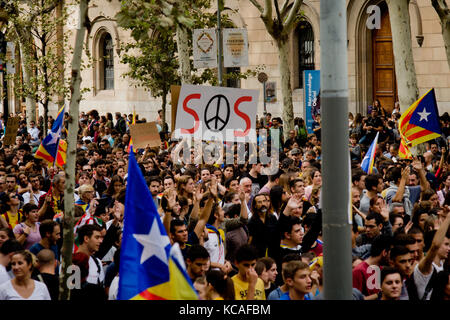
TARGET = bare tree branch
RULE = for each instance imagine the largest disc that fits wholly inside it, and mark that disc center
(277, 9)
(257, 5)
(292, 15)
(441, 8)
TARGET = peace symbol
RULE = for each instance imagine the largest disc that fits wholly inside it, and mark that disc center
(220, 102)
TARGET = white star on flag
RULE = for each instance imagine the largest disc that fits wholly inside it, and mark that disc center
(424, 115)
(55, 137)
(154, 244)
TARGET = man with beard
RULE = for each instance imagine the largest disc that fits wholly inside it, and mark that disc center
(262, 227)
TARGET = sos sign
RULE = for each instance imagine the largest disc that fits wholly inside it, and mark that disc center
(228, 112)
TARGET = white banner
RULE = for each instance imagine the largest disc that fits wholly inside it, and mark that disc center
(205, 48)
(227, 114)
(235, 48)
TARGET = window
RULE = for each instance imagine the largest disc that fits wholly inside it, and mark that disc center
(305, 37)
(233, 82)
(107, 66)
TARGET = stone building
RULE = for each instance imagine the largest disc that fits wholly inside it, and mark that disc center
(370, 57)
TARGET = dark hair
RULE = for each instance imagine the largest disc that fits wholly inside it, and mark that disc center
(8, 232)
(372, 181)
(374, 215)
(387, 271)
(380, 243)
(153, 178)
(47, 226)
(440, 283)
(176, 223)
(246, 252)
(291, 257)
(110, 190)
(228, 182)
(9, 246)
(293, 182)
(398, 250)
(221, 283)
(404, 239)
(87, 231)
(233, 211)
(197, 251)
(288, 224)
(26, 209)
(276, 194)
(267, 261)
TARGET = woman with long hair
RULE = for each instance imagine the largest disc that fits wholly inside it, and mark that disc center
(220, 286)
(313, 178)
(22, 287)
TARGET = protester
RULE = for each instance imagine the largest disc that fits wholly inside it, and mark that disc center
(214, 211)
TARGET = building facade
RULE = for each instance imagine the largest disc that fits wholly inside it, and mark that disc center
(370, 57)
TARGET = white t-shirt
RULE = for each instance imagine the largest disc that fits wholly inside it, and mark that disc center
(421, 281)
(94, 275)
(114, 289)
(4, 275)
(216, 251)
(36, 196)
(7, 292)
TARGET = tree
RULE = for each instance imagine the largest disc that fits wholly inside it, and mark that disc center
(34, 24)
(151, 56)
(444, 15)
(280, 27)
(405, 71)
(75, 88)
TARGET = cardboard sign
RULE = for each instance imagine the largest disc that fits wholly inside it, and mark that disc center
(11, 131)
(227, 114)
(144, 134)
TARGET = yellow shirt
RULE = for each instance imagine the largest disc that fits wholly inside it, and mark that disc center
(241, 289)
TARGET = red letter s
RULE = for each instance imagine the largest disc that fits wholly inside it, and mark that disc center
(243, 116)
(191, 112)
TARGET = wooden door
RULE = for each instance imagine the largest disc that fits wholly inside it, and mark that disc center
(384, 81)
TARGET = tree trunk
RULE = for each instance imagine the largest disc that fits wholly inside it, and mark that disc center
(30, 101)
(183, 54)
(286, 89)
(66, 261)
(444, 15)
(405, 71)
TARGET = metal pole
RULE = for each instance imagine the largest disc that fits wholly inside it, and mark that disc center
(335, 188)
(265, 107)
(219, 46)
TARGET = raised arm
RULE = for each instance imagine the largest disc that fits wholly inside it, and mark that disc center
(401, 187)
(417, 165)
(425, 265)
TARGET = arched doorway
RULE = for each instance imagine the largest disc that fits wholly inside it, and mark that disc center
(383, 65)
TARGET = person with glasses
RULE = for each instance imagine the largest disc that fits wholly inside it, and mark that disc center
(35, 192)
(10, 211)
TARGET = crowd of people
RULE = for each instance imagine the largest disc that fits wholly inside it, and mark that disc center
(244, 235)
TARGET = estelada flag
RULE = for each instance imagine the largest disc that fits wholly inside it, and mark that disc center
(403, 150)
(369, 158)
(150, 268)
(61, 155)
(420, 122)
(48, 149)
